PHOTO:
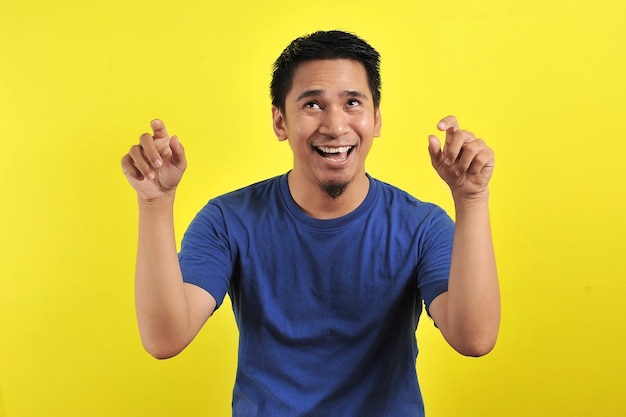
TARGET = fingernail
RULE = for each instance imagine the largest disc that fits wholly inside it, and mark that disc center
(157, 163)
(151, 176)
(441, 126)
(448, 161)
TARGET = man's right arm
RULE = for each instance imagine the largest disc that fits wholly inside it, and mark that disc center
(169, 312)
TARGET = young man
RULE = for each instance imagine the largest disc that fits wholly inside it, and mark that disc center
(326, 267)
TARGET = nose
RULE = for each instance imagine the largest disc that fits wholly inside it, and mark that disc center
(334, 122)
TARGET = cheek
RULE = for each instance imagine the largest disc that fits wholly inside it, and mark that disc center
(305, 128)
(364, 125)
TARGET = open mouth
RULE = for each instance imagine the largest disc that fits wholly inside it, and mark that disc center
(336, 154)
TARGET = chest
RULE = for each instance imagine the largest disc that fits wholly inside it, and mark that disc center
(346, 274)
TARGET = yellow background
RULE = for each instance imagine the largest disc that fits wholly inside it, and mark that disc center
(542, 82)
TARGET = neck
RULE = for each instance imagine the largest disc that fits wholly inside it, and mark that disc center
(316, 203)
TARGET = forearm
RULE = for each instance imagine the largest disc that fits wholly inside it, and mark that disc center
(161, 304)
(473, 298)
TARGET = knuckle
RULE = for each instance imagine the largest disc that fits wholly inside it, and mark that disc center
(466, 134)
(476, 145)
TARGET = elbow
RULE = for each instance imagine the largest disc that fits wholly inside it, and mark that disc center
(476, 345)
(162, 349)
(476, 349)
(472, 341)
(475, 338)
(161, 354)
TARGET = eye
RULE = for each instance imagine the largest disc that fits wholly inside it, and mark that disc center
(353, 103)
(312, 105)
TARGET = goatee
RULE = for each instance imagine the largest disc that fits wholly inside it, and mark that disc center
(334, 189)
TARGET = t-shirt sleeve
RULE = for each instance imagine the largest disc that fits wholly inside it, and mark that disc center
(205, 255)
(435, 255)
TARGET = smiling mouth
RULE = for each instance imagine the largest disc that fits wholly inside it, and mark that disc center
(335, 154)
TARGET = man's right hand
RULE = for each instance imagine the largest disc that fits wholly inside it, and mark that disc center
(156, 165)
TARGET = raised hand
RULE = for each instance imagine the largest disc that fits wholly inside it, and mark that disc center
(465, 163)
(156, 165)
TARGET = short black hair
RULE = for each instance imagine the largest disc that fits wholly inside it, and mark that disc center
(333, 44)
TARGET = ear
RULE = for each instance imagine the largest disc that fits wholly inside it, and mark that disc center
(280, 127)
(378, 123)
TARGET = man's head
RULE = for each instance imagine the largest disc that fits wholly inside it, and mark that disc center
(324, 45)
(325, 96)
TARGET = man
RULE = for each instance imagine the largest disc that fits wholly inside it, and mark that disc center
(326, 267)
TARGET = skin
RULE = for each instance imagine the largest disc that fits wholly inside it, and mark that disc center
(468, 314)
(169, 312)
(328, 106)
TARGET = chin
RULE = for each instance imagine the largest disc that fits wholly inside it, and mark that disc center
(334, 189)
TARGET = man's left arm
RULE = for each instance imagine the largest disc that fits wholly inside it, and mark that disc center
(468, 314)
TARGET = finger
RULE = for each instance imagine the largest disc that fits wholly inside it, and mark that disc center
(448, 122)
(178, 153)
(139, 161)
(450, 125)
(150, 149)
(453, 148)
(476, 157)
(483, 161)
(470, 156)
(434, 149)
(159, 130)
(129, 169)
(161, 139)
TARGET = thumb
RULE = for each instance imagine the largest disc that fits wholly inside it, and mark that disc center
(434, 149)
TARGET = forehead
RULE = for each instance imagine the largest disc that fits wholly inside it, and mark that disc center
(329, 75)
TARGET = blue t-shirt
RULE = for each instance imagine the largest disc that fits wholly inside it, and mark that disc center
(327, 309)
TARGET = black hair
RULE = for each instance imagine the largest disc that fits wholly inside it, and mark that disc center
(333, 44)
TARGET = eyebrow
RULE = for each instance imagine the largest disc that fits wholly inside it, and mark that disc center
(321, 92)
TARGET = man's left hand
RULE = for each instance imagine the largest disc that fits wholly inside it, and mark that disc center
(465, 163)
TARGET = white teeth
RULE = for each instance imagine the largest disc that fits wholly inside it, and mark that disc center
(340, 149)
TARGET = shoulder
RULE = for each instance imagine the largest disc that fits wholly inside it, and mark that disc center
(245, 205)
(250, 197)
(402, 203)
(256, 190)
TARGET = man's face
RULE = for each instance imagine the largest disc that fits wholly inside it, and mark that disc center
(330, 121)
